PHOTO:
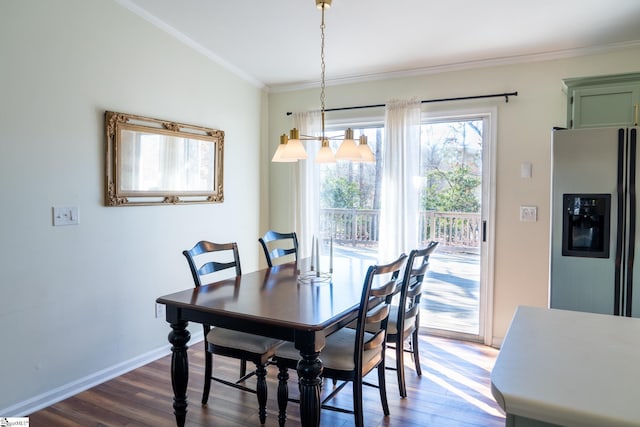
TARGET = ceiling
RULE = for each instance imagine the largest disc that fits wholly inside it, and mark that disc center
(276, 44)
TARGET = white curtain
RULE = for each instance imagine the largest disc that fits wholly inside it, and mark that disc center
(172, 163)
(307, 183)
(400, 170)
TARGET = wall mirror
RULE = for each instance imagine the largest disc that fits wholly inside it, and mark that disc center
(156, 162)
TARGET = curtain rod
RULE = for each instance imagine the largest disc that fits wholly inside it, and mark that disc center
(426, 101)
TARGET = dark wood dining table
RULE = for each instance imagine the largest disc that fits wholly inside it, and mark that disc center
(284, 302)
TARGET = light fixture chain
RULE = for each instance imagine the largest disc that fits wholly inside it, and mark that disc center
(322, 66)
(291, 149)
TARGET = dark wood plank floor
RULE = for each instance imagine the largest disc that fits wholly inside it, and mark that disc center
(454, 390)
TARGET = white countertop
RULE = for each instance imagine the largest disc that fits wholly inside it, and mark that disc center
(570, 368)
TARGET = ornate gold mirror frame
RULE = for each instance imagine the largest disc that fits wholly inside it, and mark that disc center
(157, 162)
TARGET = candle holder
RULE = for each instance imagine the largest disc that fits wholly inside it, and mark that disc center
(312, 277)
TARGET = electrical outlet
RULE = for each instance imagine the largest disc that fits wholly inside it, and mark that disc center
(161, 311)
(528, 213)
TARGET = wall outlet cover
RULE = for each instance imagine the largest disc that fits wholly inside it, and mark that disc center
(528, 213)
(161, 311)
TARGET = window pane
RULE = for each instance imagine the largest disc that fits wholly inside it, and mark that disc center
(451, 166)
(350, 194)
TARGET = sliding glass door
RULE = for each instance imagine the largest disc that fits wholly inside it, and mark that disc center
(450, 213)
(454, 210)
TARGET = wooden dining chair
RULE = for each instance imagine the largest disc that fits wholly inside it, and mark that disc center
(279, 247)
(205, 259)
(404, 319)
(350, 354)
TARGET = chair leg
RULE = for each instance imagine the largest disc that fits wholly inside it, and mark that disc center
(243, 368)
(208, 367)
(283, 394)
(261, 391)
(402, 387)
(382, 387)
(416, 352)
(357, 401)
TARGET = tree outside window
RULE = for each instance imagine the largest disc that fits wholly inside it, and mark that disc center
(450, 182)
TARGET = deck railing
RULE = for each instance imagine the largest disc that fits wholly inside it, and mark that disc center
(360, 227)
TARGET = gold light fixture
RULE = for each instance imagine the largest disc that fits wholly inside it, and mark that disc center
(291, 149)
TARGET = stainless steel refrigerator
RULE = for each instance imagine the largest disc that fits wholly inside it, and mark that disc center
(594, 213)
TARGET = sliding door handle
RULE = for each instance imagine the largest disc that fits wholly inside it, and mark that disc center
(484, 230)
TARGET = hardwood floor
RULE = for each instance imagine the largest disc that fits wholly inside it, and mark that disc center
(454, 390)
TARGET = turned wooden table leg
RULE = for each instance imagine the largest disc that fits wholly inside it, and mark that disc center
(179, 369)
(309, 370)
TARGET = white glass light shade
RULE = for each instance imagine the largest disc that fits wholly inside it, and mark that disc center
(294, 148)
(278, 156)
(325, 155)
(348, 149)
(365, 151)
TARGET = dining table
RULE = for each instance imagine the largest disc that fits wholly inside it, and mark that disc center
(290, 302)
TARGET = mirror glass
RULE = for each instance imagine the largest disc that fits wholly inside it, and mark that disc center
(151, 161)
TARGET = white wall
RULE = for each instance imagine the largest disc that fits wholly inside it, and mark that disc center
(524, 134)
(77, 300)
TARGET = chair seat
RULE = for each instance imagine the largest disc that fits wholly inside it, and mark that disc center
(242, 341)
(337, 353)
(392, 326)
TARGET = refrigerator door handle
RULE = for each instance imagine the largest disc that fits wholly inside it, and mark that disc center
(632, 221)
(620, 246)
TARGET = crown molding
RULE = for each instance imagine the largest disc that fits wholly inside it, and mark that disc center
(460, 66)
(190, 42)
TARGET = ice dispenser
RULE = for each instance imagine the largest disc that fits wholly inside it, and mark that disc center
(585, 225)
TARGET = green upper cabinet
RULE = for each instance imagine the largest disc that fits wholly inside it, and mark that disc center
(603, 101)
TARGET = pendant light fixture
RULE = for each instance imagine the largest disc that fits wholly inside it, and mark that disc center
(291, 149)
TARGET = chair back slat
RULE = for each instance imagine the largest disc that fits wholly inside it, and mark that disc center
(388, 288)
(417, 274)
(377, 340)
(277, 246)
(279, 252)
(412, 312)
(415, 288)
(378, 314)
(213, 266)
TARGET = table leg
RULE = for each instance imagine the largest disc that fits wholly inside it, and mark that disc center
(309, 370)
(179, 369)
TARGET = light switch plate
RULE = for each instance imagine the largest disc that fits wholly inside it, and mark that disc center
(525, 170)
(528, 213)
(68, 215)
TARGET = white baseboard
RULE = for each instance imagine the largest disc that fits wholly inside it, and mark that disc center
(497, 342)
(48, 398)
